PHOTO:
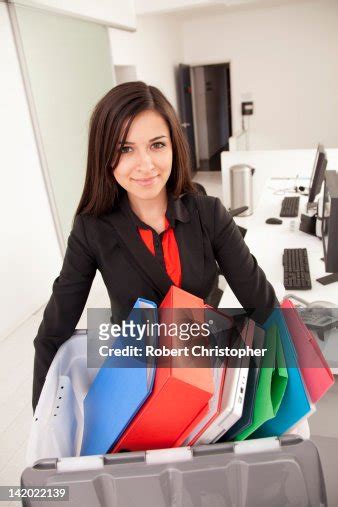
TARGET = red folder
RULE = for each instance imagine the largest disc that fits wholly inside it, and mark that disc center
(179, 395)
(315, 371)
(202, 423)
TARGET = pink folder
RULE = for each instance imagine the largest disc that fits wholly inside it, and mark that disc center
(315, 371)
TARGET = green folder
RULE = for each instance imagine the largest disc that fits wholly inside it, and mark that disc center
(271, 384)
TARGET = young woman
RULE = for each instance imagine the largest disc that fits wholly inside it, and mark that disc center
(141, 223)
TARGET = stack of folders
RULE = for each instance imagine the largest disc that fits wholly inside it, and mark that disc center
(188, 400)
(284, 386)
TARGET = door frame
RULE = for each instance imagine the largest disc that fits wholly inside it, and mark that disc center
(203, 63)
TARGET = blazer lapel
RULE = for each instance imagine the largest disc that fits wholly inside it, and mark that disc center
(189, 240)
(138, 254)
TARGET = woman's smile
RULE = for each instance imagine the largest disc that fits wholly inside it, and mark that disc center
(145, 182)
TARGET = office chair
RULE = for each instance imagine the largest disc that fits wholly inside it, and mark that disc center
(233, 212)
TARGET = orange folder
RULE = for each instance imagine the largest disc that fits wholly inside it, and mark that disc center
(183, 385)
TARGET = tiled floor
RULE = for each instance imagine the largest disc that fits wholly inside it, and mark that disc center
(16, 364)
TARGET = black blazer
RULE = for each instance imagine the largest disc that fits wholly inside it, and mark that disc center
(205, 233)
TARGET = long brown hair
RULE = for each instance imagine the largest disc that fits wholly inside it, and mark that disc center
(109, 125)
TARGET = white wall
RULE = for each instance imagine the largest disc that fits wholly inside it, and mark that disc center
(151, 6)
(286, 58)
(155, 49)
(125, 73)
(113, 12)
(30, 258)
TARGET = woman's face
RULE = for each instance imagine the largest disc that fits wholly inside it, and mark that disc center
(146, 157)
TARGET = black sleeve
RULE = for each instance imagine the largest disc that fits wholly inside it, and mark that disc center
(240, 268)
(64, 309)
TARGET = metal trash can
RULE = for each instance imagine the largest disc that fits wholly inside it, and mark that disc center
(241, 188)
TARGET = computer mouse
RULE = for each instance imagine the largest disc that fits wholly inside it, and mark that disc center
(274, 221)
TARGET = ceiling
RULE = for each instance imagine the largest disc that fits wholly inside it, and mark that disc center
(204, 7)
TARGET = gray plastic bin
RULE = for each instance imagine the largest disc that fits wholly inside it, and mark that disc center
(271, 472)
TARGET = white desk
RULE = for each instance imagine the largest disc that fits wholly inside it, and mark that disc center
(269, 163)
(267, 243)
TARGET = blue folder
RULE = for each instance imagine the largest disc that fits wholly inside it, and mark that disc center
(295, 404)
(120, 388)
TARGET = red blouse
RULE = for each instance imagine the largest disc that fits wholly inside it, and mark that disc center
(169, 247)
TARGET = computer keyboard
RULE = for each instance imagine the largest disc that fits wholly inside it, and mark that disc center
(290, 207)
(296, 269)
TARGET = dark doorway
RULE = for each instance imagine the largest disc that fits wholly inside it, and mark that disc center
(185, 109)
(207, 88)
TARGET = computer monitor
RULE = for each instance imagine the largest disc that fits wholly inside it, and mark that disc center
(329, 215)
(320, 149)
(318, 174)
